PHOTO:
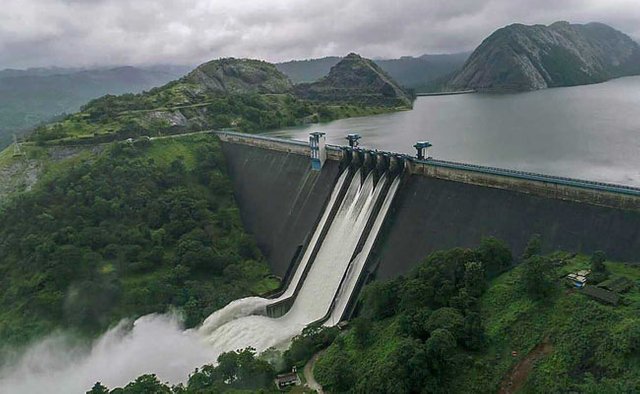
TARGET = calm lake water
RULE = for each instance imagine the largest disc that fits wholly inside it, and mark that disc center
(589, 132)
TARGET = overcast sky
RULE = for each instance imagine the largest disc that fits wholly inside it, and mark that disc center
(113, 32)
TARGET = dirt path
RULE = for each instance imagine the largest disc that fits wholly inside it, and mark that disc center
(308, 373)
(519, 374)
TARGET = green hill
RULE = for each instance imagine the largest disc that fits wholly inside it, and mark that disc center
(120, 232)
(356, 80)
(447, 329)
(94, 229)
(243, 94)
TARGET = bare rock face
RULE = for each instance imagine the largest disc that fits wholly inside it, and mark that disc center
(356, 80)
(521, 58)
(240, 76)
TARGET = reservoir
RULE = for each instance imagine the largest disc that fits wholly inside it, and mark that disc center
(590, 132)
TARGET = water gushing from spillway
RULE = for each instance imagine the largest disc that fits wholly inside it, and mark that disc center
(157, 345)
(323, 279)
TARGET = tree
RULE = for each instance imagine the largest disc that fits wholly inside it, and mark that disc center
(242, 370)
(599, 271)
(146, 384)
(446, 318)
(597, 261)
(98, 388)
(495, 256)
(380, 300)
(440, 348)
(475, 282)
(534, 247)
(538, 277)
(473, 336)
(412, 323)
(361, 331)
(339, 375)
(311, 340)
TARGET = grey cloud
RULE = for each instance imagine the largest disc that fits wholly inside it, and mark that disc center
(75, 32)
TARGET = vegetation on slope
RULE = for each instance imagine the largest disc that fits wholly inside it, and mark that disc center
(439, 330)
(356, 80)
(463, 321)
(138, 229)
(242, 94)
(30, 97)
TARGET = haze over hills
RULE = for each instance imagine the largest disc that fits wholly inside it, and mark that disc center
(29, 97)
(521, 58)
(412, 72)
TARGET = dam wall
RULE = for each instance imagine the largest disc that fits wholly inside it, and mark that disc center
(279, 196)
(432, 214)
(439, 205)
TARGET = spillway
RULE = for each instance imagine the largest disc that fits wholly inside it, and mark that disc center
(326, 275)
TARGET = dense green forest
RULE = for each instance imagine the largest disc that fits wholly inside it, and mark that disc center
(139, 228)
(454, 326)
(465, 320)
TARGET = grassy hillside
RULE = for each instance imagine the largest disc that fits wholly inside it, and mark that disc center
(417, 334)
(30, 97)
(129, 230)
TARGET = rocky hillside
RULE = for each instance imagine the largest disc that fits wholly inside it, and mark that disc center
(521, 58)
(356, 79)
(240, 76)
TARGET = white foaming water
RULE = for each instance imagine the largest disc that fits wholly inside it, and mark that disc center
(355, 268)
(321, 284)
(157, 343)
(315, 238)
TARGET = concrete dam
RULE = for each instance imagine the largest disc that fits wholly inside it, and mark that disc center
(325, 269)
(328, 218)
(439, 205)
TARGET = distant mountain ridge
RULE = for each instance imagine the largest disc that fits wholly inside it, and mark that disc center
(32, 96)
(411, 72)
(520, 58)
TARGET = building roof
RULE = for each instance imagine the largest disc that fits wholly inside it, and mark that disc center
(287, 377)
(618, 284)
(577, 278)
(601, 294)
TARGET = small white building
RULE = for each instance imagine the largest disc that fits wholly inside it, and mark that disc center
(579, 279)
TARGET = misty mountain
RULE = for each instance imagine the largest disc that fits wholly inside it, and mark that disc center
(411, 72)
(520, 57)
(32, 96)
